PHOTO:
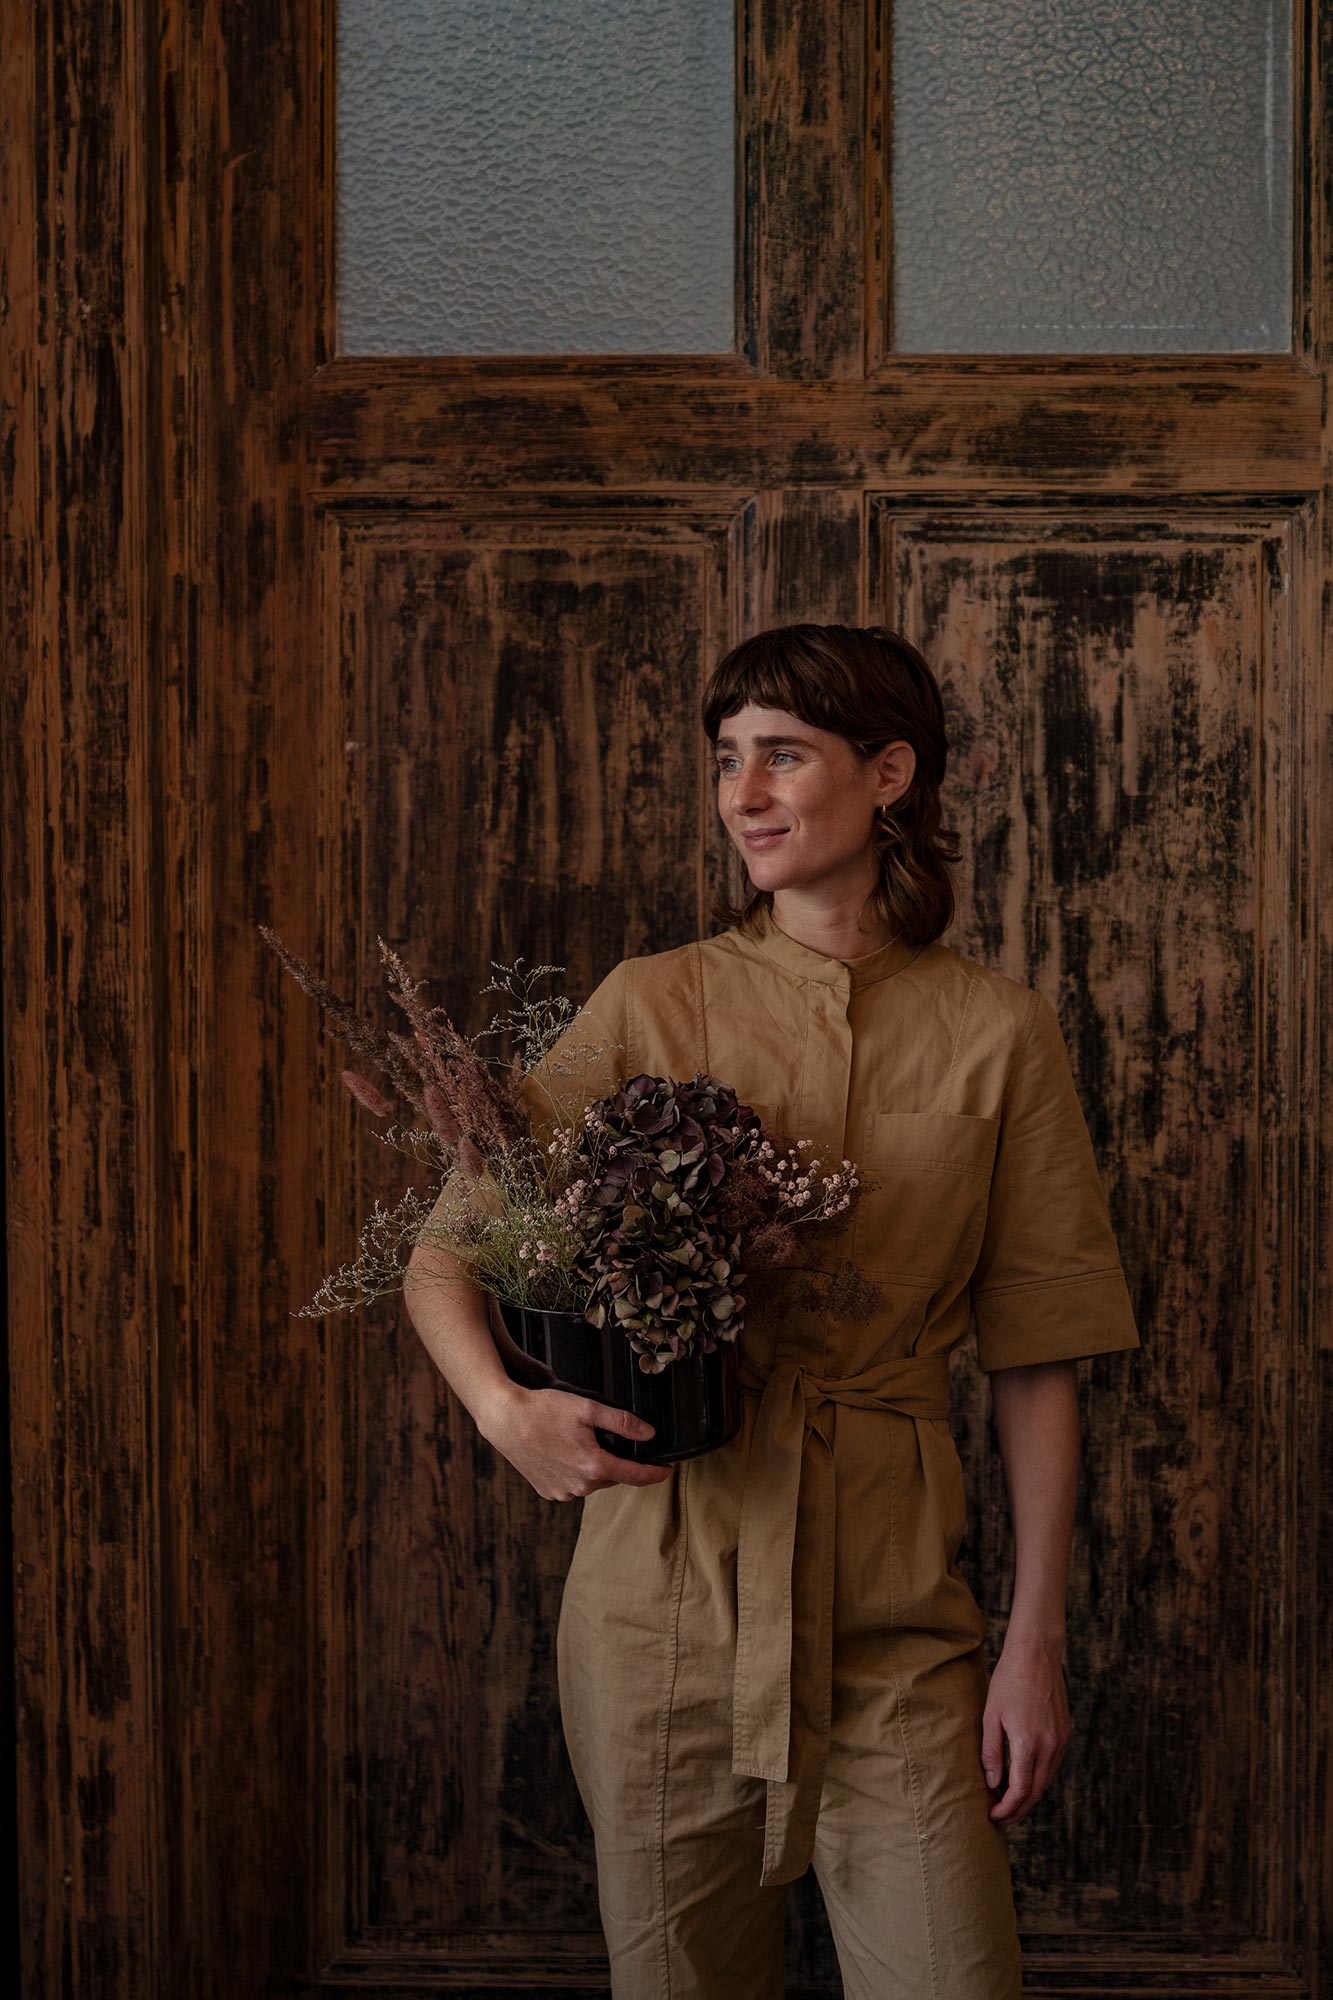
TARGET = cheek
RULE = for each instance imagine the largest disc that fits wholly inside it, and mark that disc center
(834, 814)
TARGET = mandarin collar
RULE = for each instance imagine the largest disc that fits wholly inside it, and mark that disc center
(774, 943)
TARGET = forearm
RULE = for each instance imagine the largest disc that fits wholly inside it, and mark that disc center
(452, 1315)
(1037, 1422)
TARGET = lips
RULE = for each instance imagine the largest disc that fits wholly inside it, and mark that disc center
(760, 833)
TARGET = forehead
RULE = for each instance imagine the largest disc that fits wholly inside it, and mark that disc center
(764, 727)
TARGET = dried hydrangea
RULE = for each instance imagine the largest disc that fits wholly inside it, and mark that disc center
(663, 1264)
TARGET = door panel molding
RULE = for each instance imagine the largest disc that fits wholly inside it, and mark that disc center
(1133, 697)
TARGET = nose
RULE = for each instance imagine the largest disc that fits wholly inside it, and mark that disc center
(748, 789)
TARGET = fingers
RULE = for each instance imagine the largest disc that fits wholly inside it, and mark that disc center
(628, 1472)
(606, 1467)
(1015, 1801)
(608, 1418)
(561, 1456)
(992, 1747)
(1033, 1762)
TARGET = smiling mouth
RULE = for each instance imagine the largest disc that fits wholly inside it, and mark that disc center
(765, 833)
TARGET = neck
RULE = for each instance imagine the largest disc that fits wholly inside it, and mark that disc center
(839, 930)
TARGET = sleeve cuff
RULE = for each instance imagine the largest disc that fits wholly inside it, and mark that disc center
(1054, 1319)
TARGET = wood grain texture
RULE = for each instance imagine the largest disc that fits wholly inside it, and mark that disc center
(513, 686)
(236, 806)
(1130, 745)
(1308, 1601)
(413, 647)
(802, 131)
(86, 1165)
(1239, 424)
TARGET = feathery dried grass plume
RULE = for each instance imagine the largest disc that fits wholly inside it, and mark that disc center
(367, 1094)
(345, 1022)
(476, 1119)
(458, 1090)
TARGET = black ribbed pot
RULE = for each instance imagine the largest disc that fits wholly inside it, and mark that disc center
(694, 1405)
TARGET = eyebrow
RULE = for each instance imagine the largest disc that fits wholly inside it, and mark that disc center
(764, 742)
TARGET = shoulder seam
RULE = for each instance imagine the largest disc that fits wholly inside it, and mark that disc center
(630, 1069)
(972, 982)
(697, 968)
(1034, 1001)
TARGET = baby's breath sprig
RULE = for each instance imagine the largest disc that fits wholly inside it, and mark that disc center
(796, 1187)
(381, 1266)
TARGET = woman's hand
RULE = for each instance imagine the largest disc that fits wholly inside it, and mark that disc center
(1027, 1704)
(1037, 1419)
(548, 1436)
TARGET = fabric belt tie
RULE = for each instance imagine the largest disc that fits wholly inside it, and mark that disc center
(778, 1473)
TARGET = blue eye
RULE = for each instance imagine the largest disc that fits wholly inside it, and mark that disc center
(723, 762)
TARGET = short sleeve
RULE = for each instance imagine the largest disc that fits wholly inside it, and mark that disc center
(586, 1062)
(1048, 1283)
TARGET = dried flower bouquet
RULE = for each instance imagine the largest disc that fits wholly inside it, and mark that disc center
(652, 1207)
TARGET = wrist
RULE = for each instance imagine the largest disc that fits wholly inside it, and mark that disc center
(1036, 1635)
(494, 1403)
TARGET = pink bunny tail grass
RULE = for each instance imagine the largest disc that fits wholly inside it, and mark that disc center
(470, 1160)
(367, 1094)
(442, 1120)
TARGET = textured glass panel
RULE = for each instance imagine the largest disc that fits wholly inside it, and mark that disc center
(535, 176)
(1091, 176)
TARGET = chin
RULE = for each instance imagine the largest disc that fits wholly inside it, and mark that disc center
(770, 878)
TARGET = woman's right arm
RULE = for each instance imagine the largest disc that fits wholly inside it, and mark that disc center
(547, 1435)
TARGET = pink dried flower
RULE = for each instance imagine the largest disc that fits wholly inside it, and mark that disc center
(366, 1094)
(443, 1123)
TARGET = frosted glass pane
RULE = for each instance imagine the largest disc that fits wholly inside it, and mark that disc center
(1092, 176)
(535, 176)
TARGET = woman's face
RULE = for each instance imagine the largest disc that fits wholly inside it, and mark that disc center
(810, 786)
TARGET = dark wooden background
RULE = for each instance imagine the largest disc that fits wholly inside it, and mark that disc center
(413, 649)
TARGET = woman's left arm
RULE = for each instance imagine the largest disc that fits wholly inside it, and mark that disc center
(1037, 1422)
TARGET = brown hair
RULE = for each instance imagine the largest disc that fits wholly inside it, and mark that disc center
(871, 686)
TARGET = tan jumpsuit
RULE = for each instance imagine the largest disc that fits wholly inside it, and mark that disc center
(771, 1659)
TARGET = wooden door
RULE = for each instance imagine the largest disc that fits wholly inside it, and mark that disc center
(412, 648)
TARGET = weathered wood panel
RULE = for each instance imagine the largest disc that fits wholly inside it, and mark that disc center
(227, 557)
(83, 955)
(236, 808)
(1132, 711)
(513, 693)
(1237, 424)
(803, 142)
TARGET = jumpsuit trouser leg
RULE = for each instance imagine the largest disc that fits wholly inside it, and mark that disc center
(679, 1838)
(914, 1873)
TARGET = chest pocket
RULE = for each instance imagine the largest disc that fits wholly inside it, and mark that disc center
(923, 1220)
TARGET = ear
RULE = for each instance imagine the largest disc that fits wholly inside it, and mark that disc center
(895, 769)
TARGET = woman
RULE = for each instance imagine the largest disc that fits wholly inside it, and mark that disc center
(767, 1656)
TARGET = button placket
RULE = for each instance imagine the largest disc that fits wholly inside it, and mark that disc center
(823, 1101)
